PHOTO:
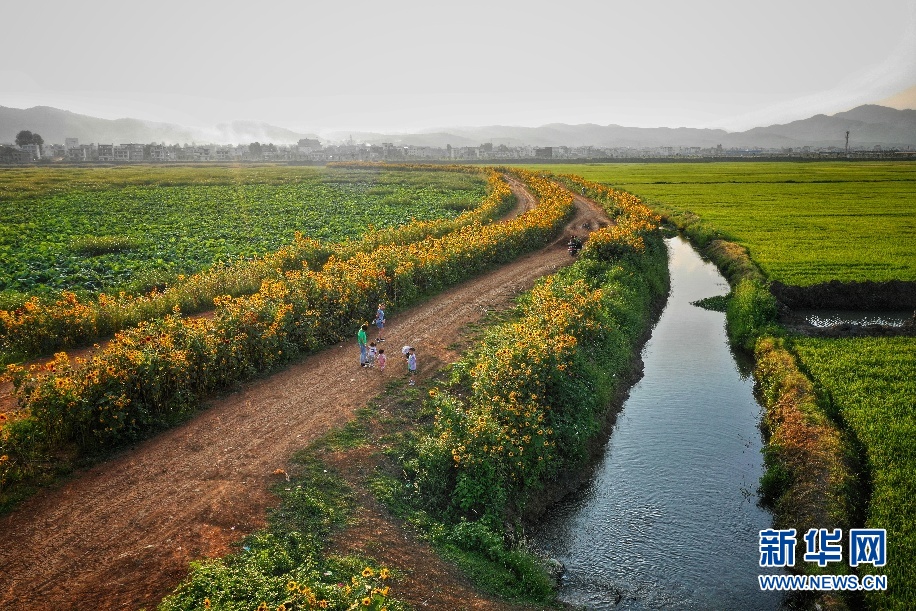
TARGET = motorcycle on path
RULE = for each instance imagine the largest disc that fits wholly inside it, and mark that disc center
(574, 246)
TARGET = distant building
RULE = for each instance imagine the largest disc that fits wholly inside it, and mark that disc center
(71, 143)
(12, 154)
(545, 152)
(106, 152)
(309, 145)
(54, 151)
(422, 152)
(81, 152)
(33, 149)
(158, 152)
(135, 152)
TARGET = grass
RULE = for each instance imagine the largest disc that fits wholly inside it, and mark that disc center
(871, 385)
(716, 303)
(803, 223)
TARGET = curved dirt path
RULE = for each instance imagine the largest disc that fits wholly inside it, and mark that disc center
(120, 535)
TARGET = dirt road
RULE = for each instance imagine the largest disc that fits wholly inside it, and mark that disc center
(121, 535)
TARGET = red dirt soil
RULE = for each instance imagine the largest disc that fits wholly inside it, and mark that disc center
(121, 534)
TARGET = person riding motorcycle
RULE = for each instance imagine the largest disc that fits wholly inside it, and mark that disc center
(574, 245)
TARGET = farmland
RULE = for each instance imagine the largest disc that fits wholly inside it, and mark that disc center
(871, 384)
(111, 229)
(151, 375)
(295, 311)
(538, 392)
(803, 223)
(156, 374)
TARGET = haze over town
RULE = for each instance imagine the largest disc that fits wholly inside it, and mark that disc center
(413, 66)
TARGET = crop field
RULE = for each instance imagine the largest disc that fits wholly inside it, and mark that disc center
(872, 384)
(294, 313)
(110, 229)
(803, 223)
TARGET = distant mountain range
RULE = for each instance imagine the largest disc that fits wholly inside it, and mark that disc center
(55, 125)
(868, 125)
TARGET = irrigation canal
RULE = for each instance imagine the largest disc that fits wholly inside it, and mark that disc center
(670, 520)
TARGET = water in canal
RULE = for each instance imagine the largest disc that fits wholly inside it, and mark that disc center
(670, 520)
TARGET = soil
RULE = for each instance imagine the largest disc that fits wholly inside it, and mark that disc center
(853, 296)
(866, 295)
(799, 325)
(120, 535)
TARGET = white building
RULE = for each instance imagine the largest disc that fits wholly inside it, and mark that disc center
(32, 149)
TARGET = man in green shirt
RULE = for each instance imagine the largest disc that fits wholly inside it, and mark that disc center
(361, 341)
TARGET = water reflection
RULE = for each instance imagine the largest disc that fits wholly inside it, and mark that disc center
(670, 520)
(828, 318)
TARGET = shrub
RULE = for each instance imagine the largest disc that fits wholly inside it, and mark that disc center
(751, 313)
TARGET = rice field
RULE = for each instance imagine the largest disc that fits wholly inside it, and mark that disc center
(803, 223)
(871, 383)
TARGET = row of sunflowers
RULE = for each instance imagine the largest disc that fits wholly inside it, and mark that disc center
(525, 404)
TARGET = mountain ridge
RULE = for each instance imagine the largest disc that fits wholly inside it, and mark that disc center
(870, 125)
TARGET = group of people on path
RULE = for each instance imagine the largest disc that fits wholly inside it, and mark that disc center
(371, 355)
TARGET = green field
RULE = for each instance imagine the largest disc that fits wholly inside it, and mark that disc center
(803, 223)
(94, 229)
(871, 382)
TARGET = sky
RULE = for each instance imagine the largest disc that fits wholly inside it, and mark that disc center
(402, 66)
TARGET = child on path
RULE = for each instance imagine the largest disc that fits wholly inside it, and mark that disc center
(361, 342)
(373, 353)
(411, 365)
(380, 322)
(382, 359)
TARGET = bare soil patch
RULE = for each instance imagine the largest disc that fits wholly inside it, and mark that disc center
(121, 534)
(866, 295)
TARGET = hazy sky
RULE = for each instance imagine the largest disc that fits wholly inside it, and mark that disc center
(409, 65)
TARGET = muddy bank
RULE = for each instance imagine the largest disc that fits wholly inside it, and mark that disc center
(794, 323)
(868, 295)
(850, 296)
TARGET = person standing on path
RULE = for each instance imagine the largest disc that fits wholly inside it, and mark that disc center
(361, 341)
(380, 322)
(411, 365)
(373, 353)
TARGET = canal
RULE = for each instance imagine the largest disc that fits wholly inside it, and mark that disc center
(670, 519)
